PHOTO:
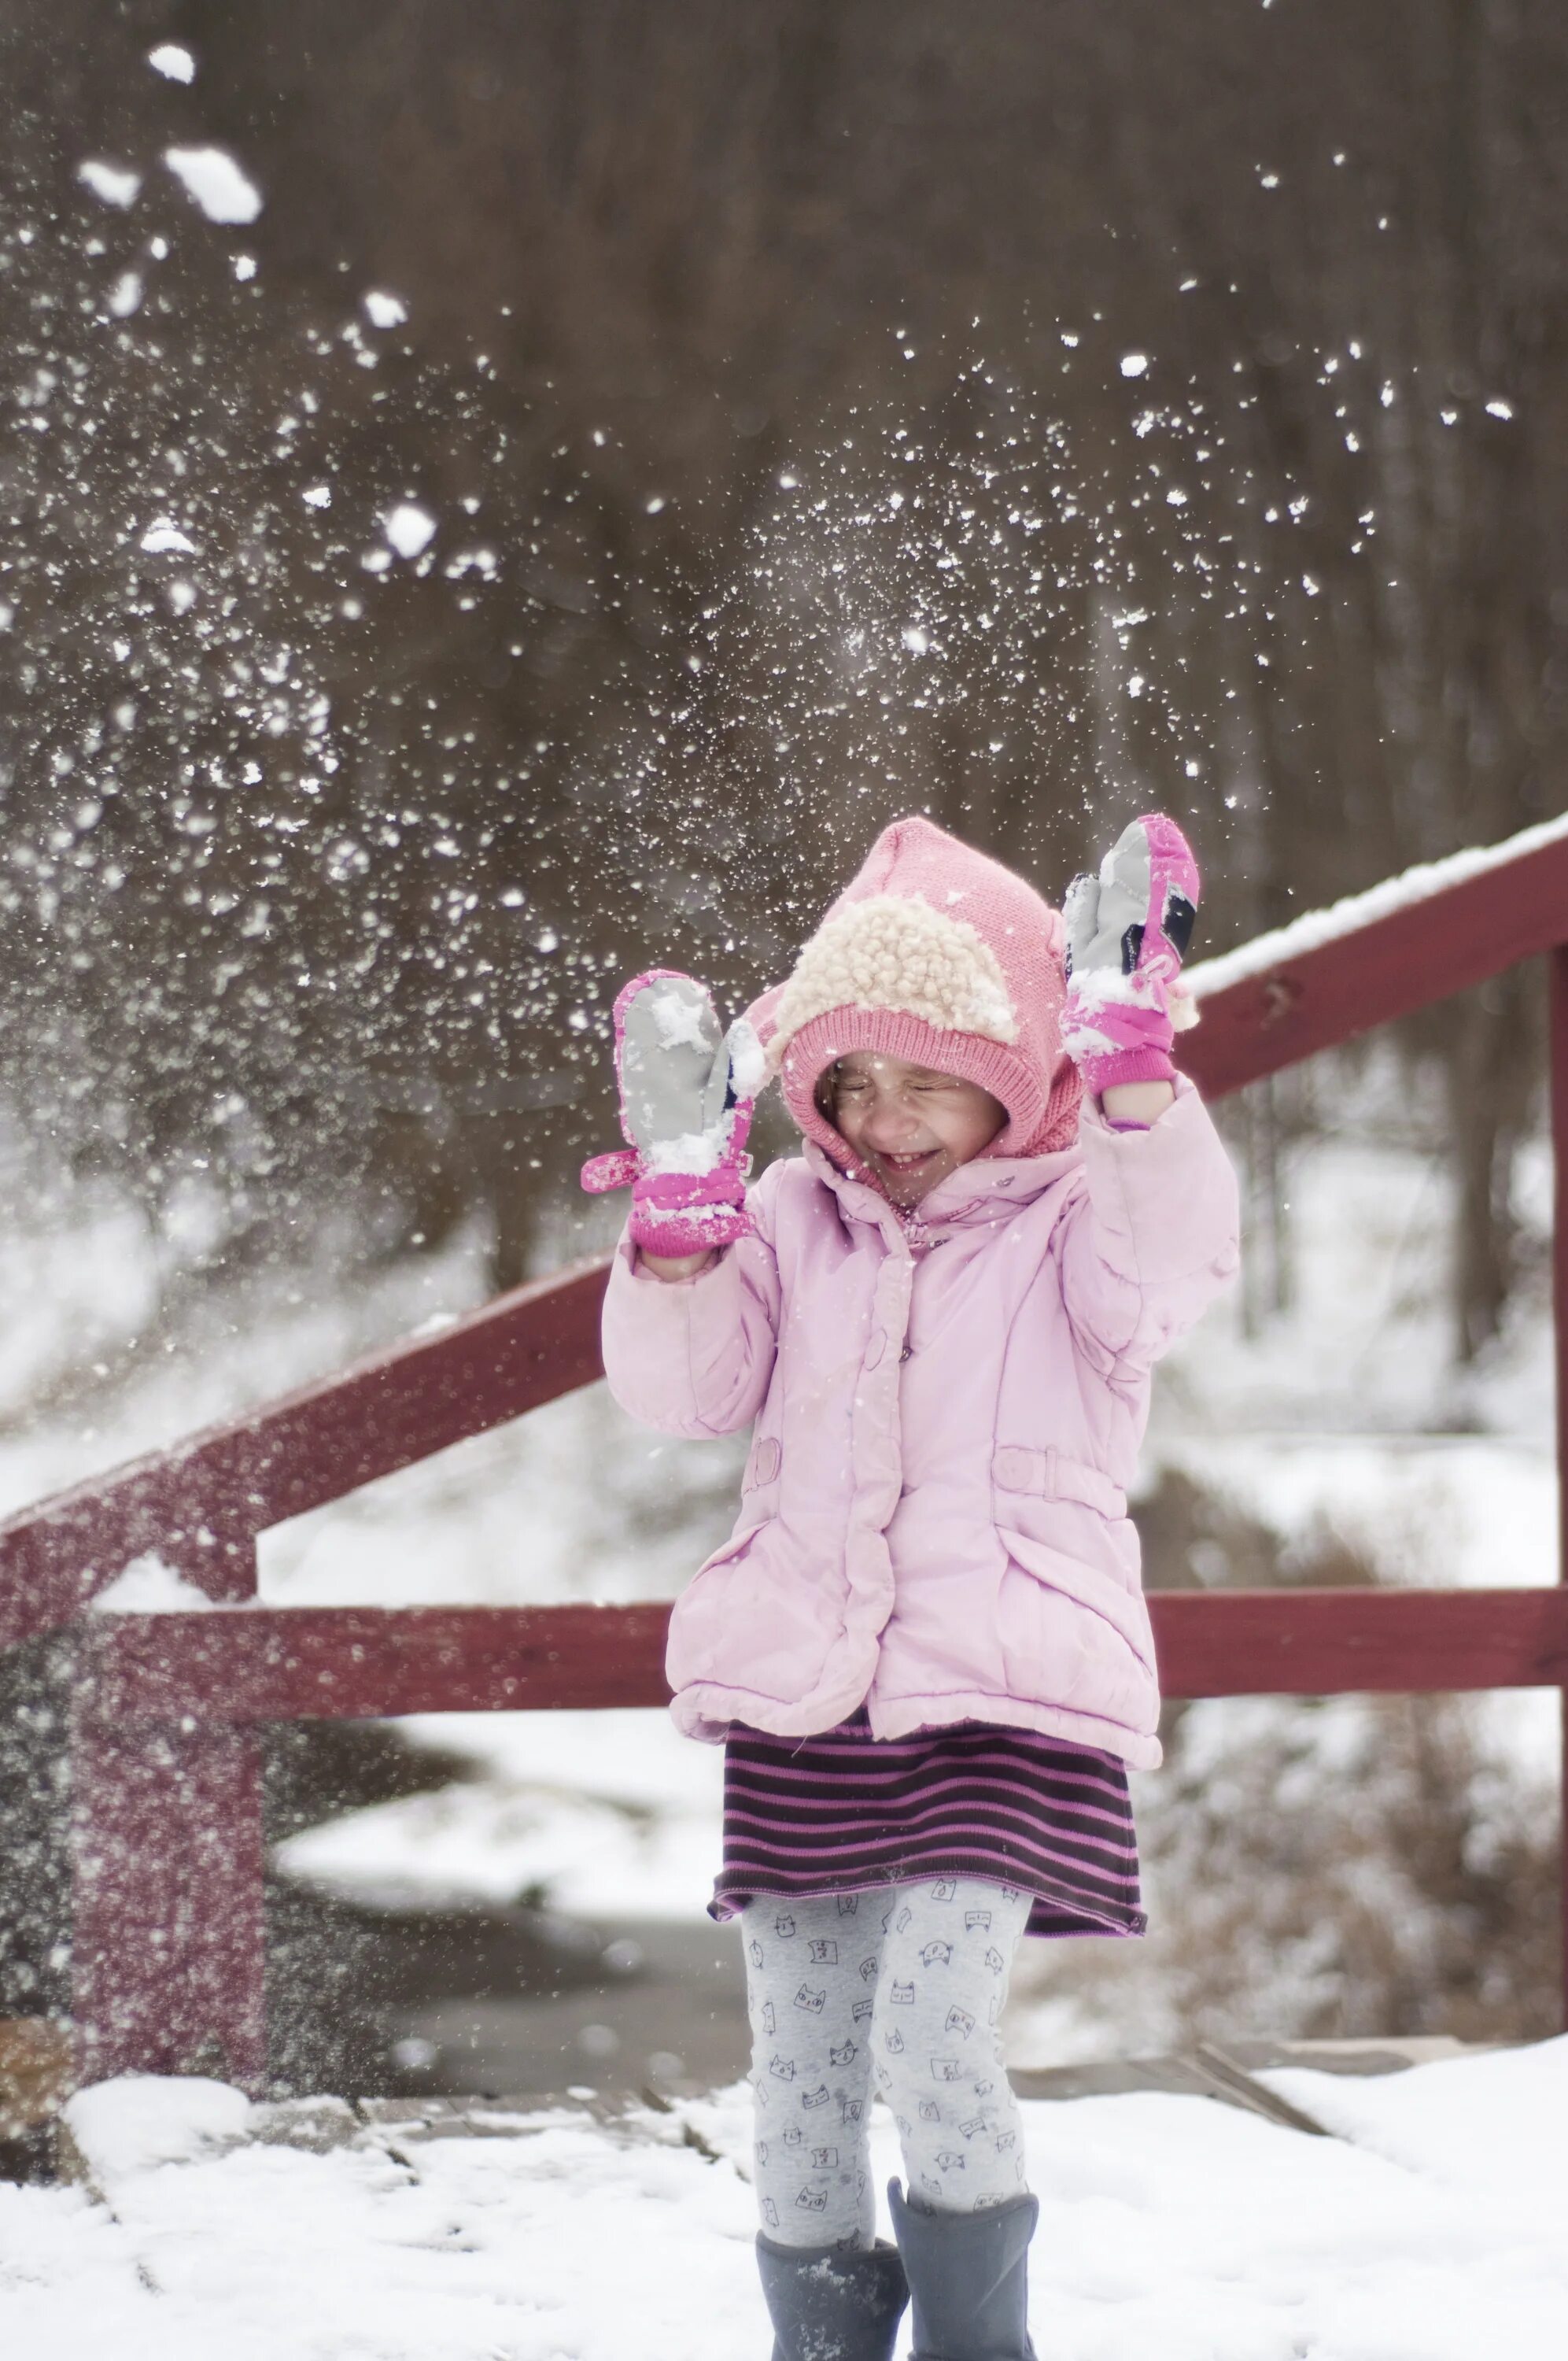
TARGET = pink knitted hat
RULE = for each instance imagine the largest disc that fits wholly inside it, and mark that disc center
(938, 955)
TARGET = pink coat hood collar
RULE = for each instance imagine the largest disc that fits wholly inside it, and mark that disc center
(988, 1188)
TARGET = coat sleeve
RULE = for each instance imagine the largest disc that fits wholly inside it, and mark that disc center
(1153, 1234)
(694, 1357)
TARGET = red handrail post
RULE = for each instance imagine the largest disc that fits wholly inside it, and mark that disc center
(1557, 967)
(168, 1929)
(167, 1941)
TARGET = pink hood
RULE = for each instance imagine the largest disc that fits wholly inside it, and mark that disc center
(934, 1515)
(935, 953)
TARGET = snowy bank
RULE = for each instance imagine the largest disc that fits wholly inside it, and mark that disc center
(1431, 2226)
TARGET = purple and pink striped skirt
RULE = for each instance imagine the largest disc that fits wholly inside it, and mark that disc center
(842, 1812)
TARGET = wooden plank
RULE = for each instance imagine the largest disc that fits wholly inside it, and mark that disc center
(359, 1662)
(201, 1504)
(1418, 953)
(1324, 1642)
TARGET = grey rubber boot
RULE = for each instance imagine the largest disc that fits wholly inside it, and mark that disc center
(969, 2278)
(829, 2305)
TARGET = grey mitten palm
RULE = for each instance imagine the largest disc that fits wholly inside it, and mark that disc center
(688, 1089)
(1127, 932)
(676, 1068)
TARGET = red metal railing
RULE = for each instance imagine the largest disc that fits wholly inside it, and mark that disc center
(166, 1944)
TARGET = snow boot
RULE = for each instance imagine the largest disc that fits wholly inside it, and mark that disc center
(827, 2304)
(968, 2278)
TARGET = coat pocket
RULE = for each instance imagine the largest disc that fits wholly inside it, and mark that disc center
(697, 1617)
(1073, 1638)
(1086, 1610)
(1065, 1525)
(752, 1618)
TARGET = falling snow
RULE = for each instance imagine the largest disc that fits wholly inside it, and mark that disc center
(409, 528)
(212, 177)
(175, 63)
(163, 537)
(117, 184)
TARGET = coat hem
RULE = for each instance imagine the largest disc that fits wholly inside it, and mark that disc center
(899, 1717)
(704, 1710)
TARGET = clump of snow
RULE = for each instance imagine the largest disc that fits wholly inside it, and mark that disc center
(1135, 364)
(124, 296)
(117, 184)
(1342, 917)
(317, 496)
(140, 2121)
(212, 177)
(150, 1586)
(171, 59)
(689, 1151)
(679, 1011)
(385, 310)
(165, 538)
(748, 1061)
(409, 528)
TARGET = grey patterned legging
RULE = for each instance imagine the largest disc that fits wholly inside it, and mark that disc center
(903, 1985)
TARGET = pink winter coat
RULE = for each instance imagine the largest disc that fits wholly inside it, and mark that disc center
(934, 1515)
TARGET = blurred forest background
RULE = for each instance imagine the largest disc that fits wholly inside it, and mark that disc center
(819, 410)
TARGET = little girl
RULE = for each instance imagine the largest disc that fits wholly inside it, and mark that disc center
(925, 1645)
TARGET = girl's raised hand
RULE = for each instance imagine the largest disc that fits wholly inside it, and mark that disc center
(1127, 932)
(687, 1090)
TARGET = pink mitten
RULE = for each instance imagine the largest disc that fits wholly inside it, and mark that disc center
(1127, 931)
(686, 1095)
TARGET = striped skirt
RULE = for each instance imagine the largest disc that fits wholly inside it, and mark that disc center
(842, 1812)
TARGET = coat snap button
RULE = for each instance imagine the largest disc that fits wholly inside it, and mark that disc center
(907, 1352)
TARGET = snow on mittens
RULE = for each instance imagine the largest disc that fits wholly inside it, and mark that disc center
(687, 1090)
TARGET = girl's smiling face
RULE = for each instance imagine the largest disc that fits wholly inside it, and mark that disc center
(909, 1124)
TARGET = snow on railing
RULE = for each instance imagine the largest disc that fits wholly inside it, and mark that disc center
(167, 1939)
(1334, 974)
(1356, 912)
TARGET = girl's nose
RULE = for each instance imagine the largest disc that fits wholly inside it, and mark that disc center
(892, 1125)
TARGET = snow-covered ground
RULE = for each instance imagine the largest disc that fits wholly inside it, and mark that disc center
(1428, 2228)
